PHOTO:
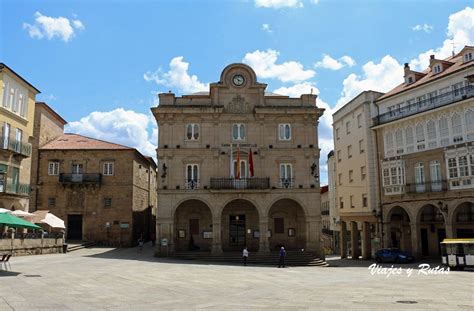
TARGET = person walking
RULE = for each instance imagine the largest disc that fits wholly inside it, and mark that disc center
(140, 244)
(245, 255)
(281, 263)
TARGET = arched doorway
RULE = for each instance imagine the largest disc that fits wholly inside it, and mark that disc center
(463, 220)
(240, 226)
(287, 224)
(399, 233)
(193, 226)
(432, 230)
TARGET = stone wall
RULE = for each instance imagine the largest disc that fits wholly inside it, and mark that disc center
(31, 246)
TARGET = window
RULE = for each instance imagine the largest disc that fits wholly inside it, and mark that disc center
(443, 131)
(420, 137)
(399, 141)
(348, 127)
(337, 133)
(192, 131)
(471, 159)
(108, 168)
(77, 168)
(238, 131)
(388, 142)
(362, 173)
(192, 176)
(19, 138)
(410, 79)
(437, 69)
(386, 177)
(435, 175)
(393, 173)
(279, 225)
(6, 135)
(339, 156)
(284, 131)
(243, 169)
(409, 135)
(463, 166)
(431, 127)
(364, 200)
(469, 116)
(351, 175)
(456, 126)
(286, 175)
(51, 202)
(107, 202)
(359, 120)
(349, 151)
(341, 202)
(419, 177)
(351, 199)
(452, 168)
(53, 168)
(361, 146)
(468, 56)
(340, 178)
(10, 102)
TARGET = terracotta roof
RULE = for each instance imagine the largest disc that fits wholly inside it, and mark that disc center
(76, 142)
(324, 189)
(458, 64)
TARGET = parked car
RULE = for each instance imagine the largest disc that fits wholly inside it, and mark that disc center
(393, 255)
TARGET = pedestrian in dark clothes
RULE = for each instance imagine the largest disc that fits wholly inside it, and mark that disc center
(281, 263)
(245, 254)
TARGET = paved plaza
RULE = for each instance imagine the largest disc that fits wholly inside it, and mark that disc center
(123, 279)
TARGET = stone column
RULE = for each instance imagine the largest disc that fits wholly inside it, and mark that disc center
(449, 231)
(313, 236)
(342, 240)
(415, 232)
(216, 237)
(355, 252)
(366, 241)
(165, 231)
(386, 235)
(263, 246)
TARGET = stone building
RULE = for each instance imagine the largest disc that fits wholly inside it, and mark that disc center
(356, 175)
(327, 234)
(238, 167)
(105, 192)
(17, 109)
(425, 132)
(334, 218)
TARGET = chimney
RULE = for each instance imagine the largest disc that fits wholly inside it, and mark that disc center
(432, 60)
(406, 69)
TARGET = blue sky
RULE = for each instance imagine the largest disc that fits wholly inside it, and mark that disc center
(99, 63)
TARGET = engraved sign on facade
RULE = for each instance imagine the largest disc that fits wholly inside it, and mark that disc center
(240, 145)
(239, 105)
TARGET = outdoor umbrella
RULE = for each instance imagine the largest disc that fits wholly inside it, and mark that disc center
(9, 220)
(4, 210)
(45, 217)
(20, 213)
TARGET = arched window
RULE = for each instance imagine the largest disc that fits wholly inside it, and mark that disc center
(456, 127)
(389, 144)
(431, 129)
(238, 131)
(469, 118)
(419, 177)
(399, 141)
(420, 137)
(444, 131)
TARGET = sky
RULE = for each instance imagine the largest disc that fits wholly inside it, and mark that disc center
(100, 63)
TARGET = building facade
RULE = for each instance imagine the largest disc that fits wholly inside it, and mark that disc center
(335, 220)
(104, 192)
(327, 234)
(238, 167)
(356, 175)
(425, 131)
(17, 108)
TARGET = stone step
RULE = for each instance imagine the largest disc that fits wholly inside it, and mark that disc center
(76, 247)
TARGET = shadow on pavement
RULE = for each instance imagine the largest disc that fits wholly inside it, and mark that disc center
(4, 273)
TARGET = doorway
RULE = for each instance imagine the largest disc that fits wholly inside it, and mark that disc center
(424, 242)
(236, 230)
(74, 227)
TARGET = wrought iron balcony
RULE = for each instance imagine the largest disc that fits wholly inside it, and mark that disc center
(191, 184)
(242, 183)
(325, 212)
(91, 178)
(8, 187)
(430, 186)
(327, 231)
(15, 146)
(427, 104)
(286, 183)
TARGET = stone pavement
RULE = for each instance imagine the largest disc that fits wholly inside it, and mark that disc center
(122, 279)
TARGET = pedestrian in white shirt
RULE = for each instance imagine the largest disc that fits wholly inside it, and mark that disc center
(245, 254)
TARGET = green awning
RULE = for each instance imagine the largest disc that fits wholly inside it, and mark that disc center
(9, 220)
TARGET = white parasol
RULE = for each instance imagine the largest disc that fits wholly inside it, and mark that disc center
(4, 210)
(20, 213)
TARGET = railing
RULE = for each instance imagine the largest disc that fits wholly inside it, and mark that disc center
(430, 186)
(325, 212)
(427, 104)
(242, 183)
(286, 182)
(14, 188)
(13, 145)
(91, 178)
(191, 184)
(327, 231)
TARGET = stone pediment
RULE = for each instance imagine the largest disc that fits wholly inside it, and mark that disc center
(238, 104)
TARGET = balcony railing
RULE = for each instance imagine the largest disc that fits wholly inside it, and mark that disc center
(327, 231)
(427, 104)
(286, 183)
(242, 183)
(191, 184)
(14, 188)
(15, 146)
(435, 186)
(91, 178)
(325, 212)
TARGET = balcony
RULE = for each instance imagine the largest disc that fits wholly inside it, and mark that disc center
(435, 186)
(427, 104)
(17, 147)
(238, 184)
(325, 212)
(286, 183)
(81, 179)
(14, 188)
(327, 231)
(191, 184)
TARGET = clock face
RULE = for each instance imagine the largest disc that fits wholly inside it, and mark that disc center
(238, 80)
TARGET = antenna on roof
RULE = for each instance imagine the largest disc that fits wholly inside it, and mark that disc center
(454, 47)
(311, 91)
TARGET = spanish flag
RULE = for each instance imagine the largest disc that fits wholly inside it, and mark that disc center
(237, 174)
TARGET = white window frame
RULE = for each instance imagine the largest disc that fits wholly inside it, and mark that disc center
(286, 175)
(435, 175)
(363, 173)
(195, 131)
(393, 177)
(240, 127)
(191, 173)
(108, 168)
(53, 168)
(77, 168)
(243, 168)
(284, 131)
(419, 177)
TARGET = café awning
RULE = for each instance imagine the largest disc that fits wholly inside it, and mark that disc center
(10, 220)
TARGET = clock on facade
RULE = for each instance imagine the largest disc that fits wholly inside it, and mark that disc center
(238, 80)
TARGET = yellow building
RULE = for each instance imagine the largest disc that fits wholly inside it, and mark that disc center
(17, 110)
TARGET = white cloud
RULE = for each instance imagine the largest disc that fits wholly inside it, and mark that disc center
(177, 77)
(120, 126)
(266, 27)
(298, 89)
(264, 64)
(425, 27)
(460, 32)
(278, 4)
(333, 64)
(377, 77)
(50, 27)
